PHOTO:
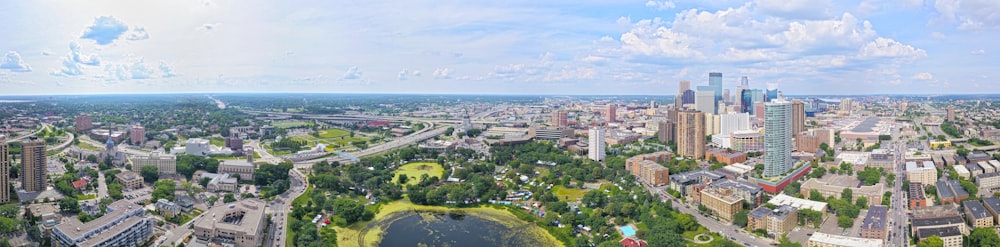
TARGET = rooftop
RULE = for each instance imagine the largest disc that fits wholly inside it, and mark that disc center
(976, 209)
(913, 166)
(958, 189)
(782, 199)
(866, 126)
(947, 231)
(759, 212)
(738, 185)
(942, 190)
(992, 203)
(939, 221)
(876, 218)
(838, 240)
(75, 229)
(242, 163)
(249, 211)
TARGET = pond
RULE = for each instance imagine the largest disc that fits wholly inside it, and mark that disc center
(452, 229)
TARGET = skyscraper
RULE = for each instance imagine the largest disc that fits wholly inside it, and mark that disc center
(595, 149)
(33, 165)
(4, 171)
(748, 98)
(777, 137)
(772, 92)
(559, 118)
(951, 113)
(744, 82)
(612, 113)
(715, 81)
(798, 116)
(691, 134)
(687, 97)
(704, 101)
(683, 86)
(725, 96)
(665, 133)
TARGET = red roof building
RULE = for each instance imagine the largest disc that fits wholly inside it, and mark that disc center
(632, 242)
(79, 184)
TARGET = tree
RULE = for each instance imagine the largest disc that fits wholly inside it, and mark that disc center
(844, 222)
(969, 187)
(984, 237)
(740, 219)
(228, 197)
(793, 188)
(163, 189)
(862, 202)
(403, 179)
(350, 210)
(847, 195)
(816, 196)
(149, 173)
(69, 204)
(932, 241)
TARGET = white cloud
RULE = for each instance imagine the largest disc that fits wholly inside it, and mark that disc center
(660, 5)
(137, 33)
(938, 35)
(352, 73)
(978, 52)
(824, 35)
(442, 73)
(137, 69)
(166, 70)
(796, 9)
(971, 15)
(406, 74)
(13, 62)
(923, 76)
(46, 52)
(649, 39)
(886, 47)
(106, 29)
(72, 63)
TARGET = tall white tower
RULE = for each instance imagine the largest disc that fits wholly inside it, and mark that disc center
(596, 146)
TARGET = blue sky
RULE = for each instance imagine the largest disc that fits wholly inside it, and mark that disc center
(497, 47)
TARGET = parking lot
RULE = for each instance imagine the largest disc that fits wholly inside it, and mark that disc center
(138, 195)
(830, 226)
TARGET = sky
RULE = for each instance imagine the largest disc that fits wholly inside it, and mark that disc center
(498, 47)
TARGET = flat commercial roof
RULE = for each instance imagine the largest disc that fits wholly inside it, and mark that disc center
(876, 218)
(977, 209)
(75, 229)
(782, 199)
(947, 231)
(838, 240)
(867, 125)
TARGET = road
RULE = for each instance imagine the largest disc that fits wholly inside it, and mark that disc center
(279, 209)
(897, 215)
(732, 232)
(419, 136)
(102, 187)
(28, 135)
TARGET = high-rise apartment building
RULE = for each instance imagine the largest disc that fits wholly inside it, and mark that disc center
(704, 101)
(845, 105)
(559, 118)
(596, 144)
(798, 116)
(4, 171)
(83, 123)
(666, 133)
(137, 135)
(691, 134)
(951, 113)
(777, 137)
(33, 165)
(612, 113)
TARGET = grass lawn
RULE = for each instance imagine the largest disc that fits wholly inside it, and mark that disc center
(217, 141)
(415, 170)
(86, 197)
(568, 194)
(333, 133)
(85, 145)
(349, 236)
(291, 124)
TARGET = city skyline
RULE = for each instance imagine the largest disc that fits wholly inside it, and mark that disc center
(588, 48)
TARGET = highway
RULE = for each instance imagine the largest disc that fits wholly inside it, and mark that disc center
(729, 231)
(419, 136)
